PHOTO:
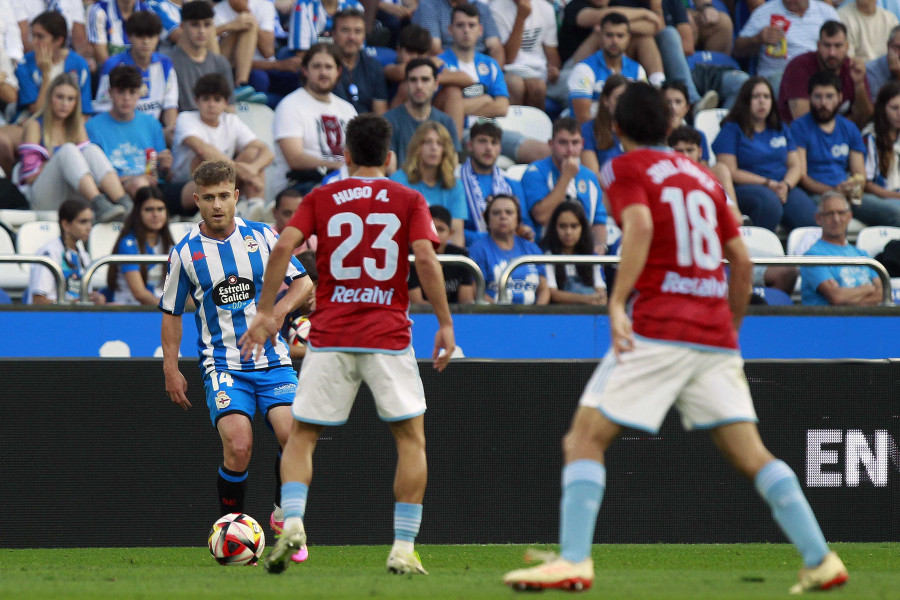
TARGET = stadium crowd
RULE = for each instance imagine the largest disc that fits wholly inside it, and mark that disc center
(115, 102)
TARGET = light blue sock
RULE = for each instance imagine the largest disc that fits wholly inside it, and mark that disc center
(778, 485)
(407, 519)
(293, 499)
(583, 482)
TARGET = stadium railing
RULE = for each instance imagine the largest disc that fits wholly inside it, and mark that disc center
(801, 261)
(155, 258)
(47, 262)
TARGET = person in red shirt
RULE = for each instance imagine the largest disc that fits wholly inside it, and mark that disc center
(677, 347)
(360, 330)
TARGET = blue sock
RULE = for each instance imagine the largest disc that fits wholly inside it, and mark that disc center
(778, 485)
(407, 518)
(583, 482)
(293, 499)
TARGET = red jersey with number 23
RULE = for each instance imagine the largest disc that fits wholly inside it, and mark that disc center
(682, 293)
(364, 228)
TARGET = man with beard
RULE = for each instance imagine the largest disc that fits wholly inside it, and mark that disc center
(833, 151)
(309, 123)
(830, 55)
(421, 86)
(362, 82)
(482, 178)
(588, 76)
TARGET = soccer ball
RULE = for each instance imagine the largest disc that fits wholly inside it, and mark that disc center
(298, 331)
(236, 539)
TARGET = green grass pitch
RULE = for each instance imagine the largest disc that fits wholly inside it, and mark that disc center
(732, 572)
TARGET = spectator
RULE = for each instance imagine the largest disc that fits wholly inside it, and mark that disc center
(106, 29)
(312, 21)
(130, 138)
(246, 30)
(421, 86)
(561, 176)
(73, 11)
(211, 133)
(58, 158)
(362, 82)
(394, 16)
(839, 284)
(527, 30)
(286, 203)
(886, 67)
(830, 55)
(688, 141)
(49, 58)
(192, 58)
(676, 97)
(482, 178)
(600, 141)
(309, 123)
(458, 280)
(75, 222)
(477, 87)
(779, 31)
(159, 88)
(145, 231)
(437, 17)
(170, 14)
(11, 35)
(429, 168)
(493, 252)
(588, 77)
(414, 42)
(569, 232)
(881, 138)
(833, 151)
(868, 28)
(713, 29)
(764, 162)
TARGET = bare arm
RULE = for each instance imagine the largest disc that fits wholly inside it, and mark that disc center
(687, 37)
(458, 235)
(416, 296)
(494, 49)
(297, 292)
(176, 384)
(431, 277)
(494, 108)
(292, 148)
(581, 107)
(139, 290)
(740, 279)
(869, 294)
(543, 292)
(637, 233)
(542, 211)
(798, 107)
(265, 43)
(514, 42)
(264, 156)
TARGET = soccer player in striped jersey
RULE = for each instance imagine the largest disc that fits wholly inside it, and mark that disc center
(360, 330)
(220, 266)
(674, 342)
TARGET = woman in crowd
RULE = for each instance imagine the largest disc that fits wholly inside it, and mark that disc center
(75, 221)
(568, 232)
(676, 96)
(430, 169)
(600, 141)
(146, 231)
(763, 159)
(493, 252)
(57, 158)
(882, 137)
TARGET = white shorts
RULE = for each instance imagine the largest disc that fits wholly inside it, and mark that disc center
(329, 381)
(708, 387)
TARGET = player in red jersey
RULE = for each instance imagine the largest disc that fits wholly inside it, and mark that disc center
(678, 346)
(360, 330)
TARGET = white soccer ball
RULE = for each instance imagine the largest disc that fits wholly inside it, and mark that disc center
(236, 539)
(298, 331)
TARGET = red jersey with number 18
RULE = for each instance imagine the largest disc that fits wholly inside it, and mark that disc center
(364, 228)
(682, 293)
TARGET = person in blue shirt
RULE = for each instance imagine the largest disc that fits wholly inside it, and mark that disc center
(561, 176)
(586, 81)
(839, 284)
(832, 149)
(765, 165)
(362, 82)
(429, 169)
(481, 178)
(128, 137)
(494, 252)
(600, 141)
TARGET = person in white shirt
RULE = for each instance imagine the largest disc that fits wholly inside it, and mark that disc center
(310, 123)
(868, 28)
(528, 32)
(211, 133)
(246, 30)
(73, 10)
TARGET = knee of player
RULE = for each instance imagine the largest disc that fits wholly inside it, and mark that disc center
(239, 450)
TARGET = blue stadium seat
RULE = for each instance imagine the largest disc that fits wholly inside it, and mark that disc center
(386, 56)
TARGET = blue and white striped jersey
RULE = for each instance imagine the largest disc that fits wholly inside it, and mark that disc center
(160, 89)
(310, 22)
(105, 24)
(224, 277)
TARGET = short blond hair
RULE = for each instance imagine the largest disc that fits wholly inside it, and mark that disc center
(212, 172)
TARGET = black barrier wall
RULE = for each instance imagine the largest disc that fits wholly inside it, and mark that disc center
(96, 455)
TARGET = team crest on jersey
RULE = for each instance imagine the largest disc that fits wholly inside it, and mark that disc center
(250, 243)
(483, 69)
(582, 186)
(222, 400)
(234, 293)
